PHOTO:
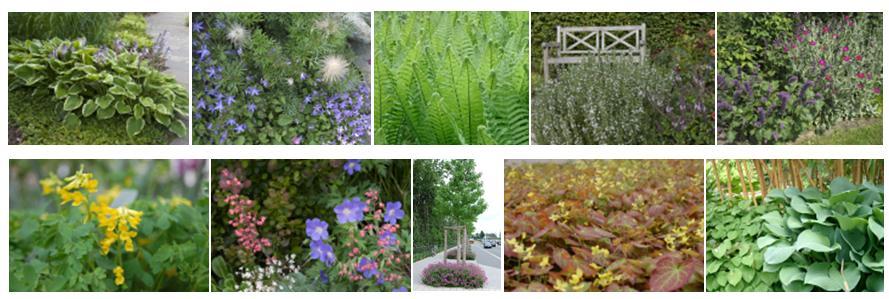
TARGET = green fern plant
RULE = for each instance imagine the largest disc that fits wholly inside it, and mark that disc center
(451, 78)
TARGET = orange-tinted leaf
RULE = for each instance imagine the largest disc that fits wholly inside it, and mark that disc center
(671, 273)
(592, 233)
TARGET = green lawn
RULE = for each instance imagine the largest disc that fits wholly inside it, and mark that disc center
(861, 132)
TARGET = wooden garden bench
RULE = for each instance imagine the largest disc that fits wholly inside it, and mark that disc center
(604, 43)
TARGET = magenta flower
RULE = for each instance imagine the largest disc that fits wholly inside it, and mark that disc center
(846, 49)
(316, 229)
(812, 43)
(847, 58)
(877, 90)
(822, 62)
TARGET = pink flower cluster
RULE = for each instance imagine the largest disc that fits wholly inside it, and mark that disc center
(466, 275)
(245, 220)
(383, 258)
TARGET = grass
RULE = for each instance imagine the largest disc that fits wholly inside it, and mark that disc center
(39, 121)
(858, 132)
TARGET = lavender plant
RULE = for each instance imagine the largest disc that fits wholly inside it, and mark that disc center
(277, 78)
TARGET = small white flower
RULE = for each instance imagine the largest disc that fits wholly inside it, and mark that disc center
(289, 81)
(335, 69)
(237, 34)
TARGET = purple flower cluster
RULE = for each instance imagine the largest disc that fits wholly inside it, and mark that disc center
(316, 230)
(393, 212)
(350, 210)
(464, 275)
(348, 113)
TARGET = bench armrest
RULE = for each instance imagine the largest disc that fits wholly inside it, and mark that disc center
(549, 45)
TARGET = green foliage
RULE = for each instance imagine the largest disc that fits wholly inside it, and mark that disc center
(86, 82)
(866, 132)
(94, 26)
(451, 78)
(664, 30)
(445, 193)
(131, 29)
(289, 192)
(744, 38)
(828, 241)
(262, 78)
(734, 260)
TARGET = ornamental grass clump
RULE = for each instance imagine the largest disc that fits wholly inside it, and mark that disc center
(454, 275)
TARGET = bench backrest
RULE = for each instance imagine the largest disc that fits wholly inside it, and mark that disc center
(601, 40)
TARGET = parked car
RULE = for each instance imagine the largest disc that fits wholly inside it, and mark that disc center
(488, 244)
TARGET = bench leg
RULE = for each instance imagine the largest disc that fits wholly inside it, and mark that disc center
(545, 65)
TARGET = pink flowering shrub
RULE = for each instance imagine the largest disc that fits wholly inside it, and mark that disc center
(454, 274)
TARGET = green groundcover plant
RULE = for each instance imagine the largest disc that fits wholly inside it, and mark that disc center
(280, 78)
(311, 225)
(107, 238)
(451, 78)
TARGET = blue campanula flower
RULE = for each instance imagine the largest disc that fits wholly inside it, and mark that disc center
(203, 53)
(197, 26)
(251, 107)
(202, 104)
(231, 122)
(240, 128)
(229, 100)
(252, 91)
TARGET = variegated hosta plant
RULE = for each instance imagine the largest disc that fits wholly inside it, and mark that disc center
(605, 226)
(828, 241)
(89, 81)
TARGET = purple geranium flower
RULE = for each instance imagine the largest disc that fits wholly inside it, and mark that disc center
(251, 107)
(350, 210)
(352, 166)
(367, 267)
(400, 289)
(316, 229)
(252, 91)
(322, 251)
(387, 238)
(393, 212)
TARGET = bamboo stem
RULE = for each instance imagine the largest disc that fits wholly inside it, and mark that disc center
(762, 182)
(742, 175)
(715, 172)
(728, 175)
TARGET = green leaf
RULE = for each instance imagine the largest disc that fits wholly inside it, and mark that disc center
(284, 121)
(875, 282)
(105, 113)
(720, 250)
(814, 241)
(123, 108)
(825, 276)
(104, 101)
(72, 102)
(851, 223)
(764, 241)
(790, 274)
(147, 102)
(134, 125)
(71, 121)
(841, 185)
(776, 194)
(734, 276)
(800, 206)
(89, 108)
(178, 128)
(777, 254)
(851, 276)
(138, 111)
(875, 228)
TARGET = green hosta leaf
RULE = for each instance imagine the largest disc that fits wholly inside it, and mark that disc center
(147, 102)
(851, 223)
(713, 266)
(134, 125)
(855, 239)
(123, 108)
(790, 274)
(798, 286)
(814, 241)
(89, 108)
(777, 254)
(162, 119)
(840, 185)
(671, 273)
(825, 276)
(178, 128)
(773, 217)
(812, 194)
(777, 230)
(105, 101)
(794, 222)
(875, 228)
(72, 102)
(800, 206)
(875, 282)
(71, 121)
(60, 90)
(105, 113)
(764, 241)
(163, 109)
(138, 111)
(776, 194)
(873, 259)
(848, 197)
(117, 90)
(851, 276)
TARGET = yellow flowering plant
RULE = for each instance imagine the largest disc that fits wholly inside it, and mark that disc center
(94, 236)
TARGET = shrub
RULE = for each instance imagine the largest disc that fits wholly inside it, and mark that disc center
(454, 274)
(94, 26)
(85, 81)
(451, 78)
(600, 103)
(131, 29)
(604, 226)
(278, 78)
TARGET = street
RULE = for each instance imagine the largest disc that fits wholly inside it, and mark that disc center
(489, 257)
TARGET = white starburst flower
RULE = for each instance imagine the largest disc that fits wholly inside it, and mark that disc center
(237, 34)
(326, 25)
(335, 69)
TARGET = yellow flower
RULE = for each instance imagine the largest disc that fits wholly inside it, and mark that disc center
(595, 267)
(544, 262)
(598, 251)
(50, 184)
(607, 278)
(92, 185)
(75, 197)
(107, 242)
(118, 276)
(562, 286)
(577, 277)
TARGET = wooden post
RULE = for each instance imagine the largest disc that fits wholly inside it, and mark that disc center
(838, 165)
(545, 61)
(762, 180)
(857, 176)
(728, 177)
(446, 246)
(465, 244)
(715, 172)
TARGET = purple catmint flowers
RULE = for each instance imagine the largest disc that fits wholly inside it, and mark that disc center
(352, 166)
(350, 210)
(393, 212)
(316, 229)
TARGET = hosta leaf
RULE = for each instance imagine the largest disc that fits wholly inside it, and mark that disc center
(178, 128)
(790, 274)
(105, 113)
(72, 102)
(734, 276)
(123, 108)
(800, 206)
(814, 241)
(851, 223)
(720, 250)
(773, 217)
(841, 185)
(875, 282)
(848, 196)
(670, 274)
(825, 276)
(764, 241)
(71, 121)
(89, 108)
(798, 286)
(134, 125)
(105, 101)
(776, 194)
(812, 194)
(851, 276)
(777, 254)
(875, 228)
